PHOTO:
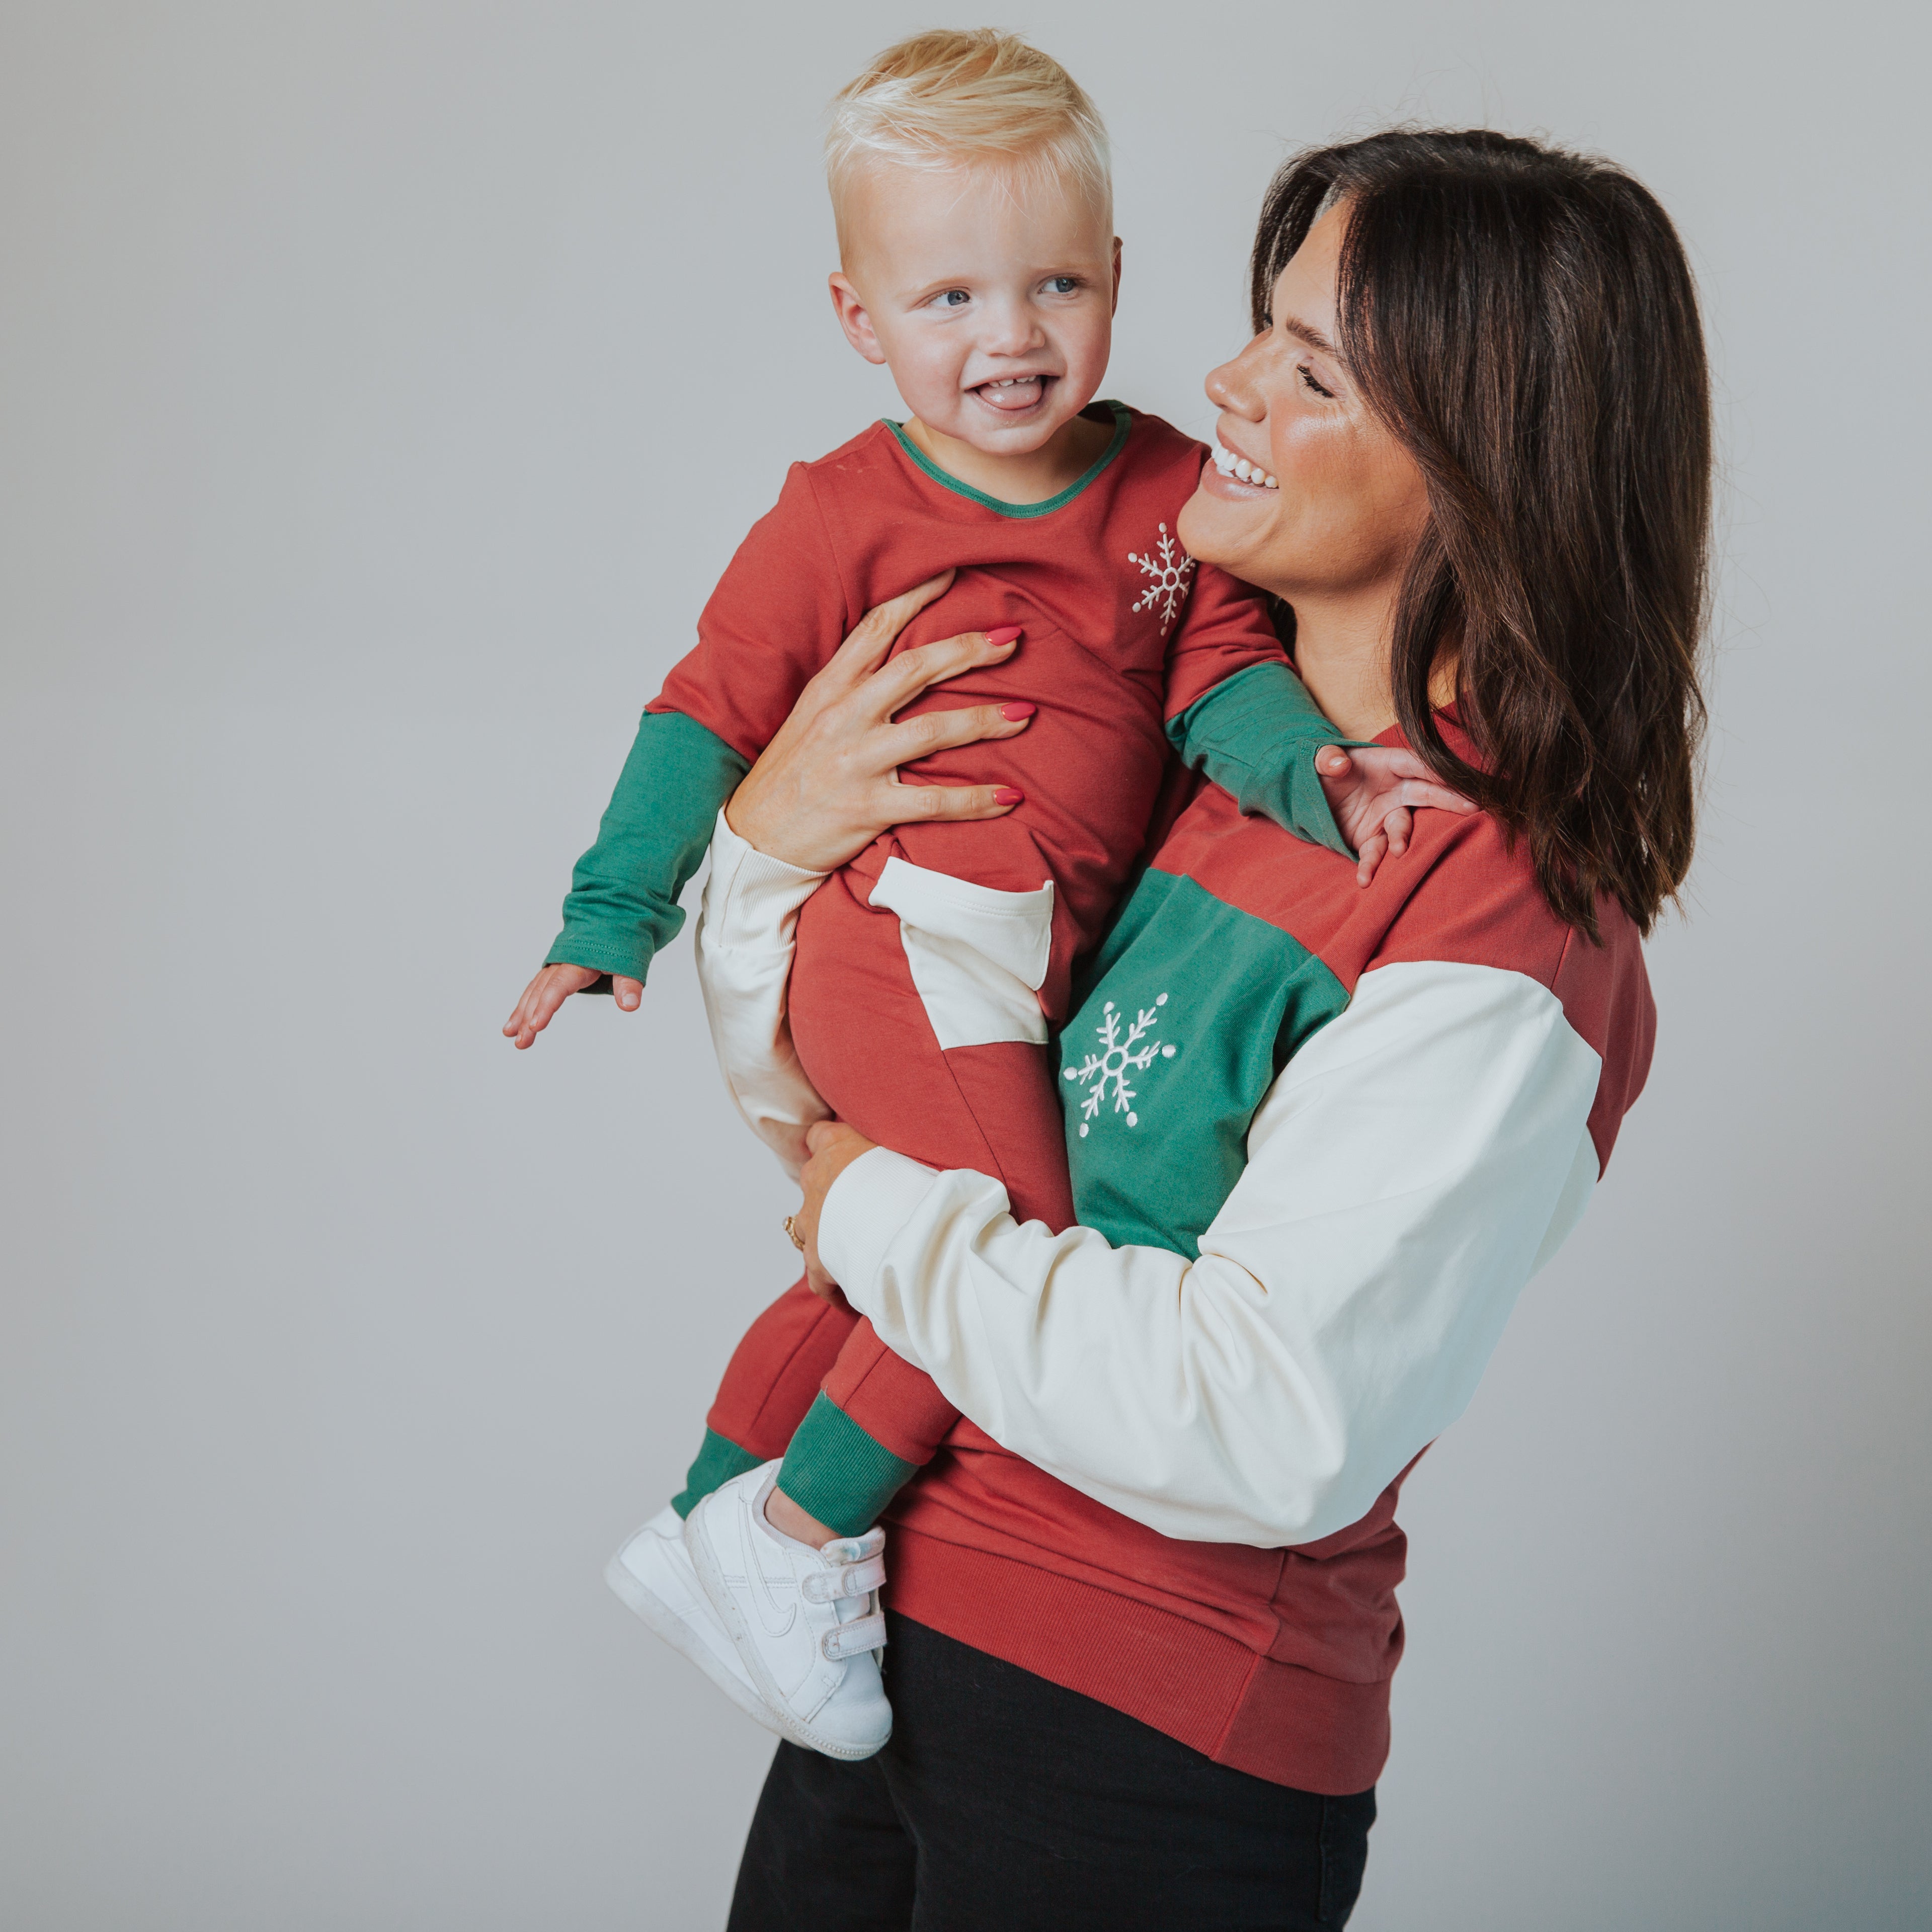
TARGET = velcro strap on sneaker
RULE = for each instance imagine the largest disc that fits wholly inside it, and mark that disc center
(850, 1579)
(852, 1640)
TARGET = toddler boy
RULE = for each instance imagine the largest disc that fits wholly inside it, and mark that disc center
(969, 176)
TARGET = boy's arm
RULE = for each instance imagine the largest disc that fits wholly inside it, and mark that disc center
(1256, 734)
(1237, 713)
(778, 612)
(622, 908)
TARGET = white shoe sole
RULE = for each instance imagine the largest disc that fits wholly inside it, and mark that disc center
(777, 1716)
(663, 1619)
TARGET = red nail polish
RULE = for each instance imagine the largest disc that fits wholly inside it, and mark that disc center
(1005, 634)
(1018, 710)
(1006, 795)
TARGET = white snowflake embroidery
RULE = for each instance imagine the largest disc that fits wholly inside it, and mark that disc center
(1171, 569)
(1117, 1058)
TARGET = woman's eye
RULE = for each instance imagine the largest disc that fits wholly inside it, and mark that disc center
(1307, 375)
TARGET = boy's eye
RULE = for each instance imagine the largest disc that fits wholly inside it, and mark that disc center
(952, 298)
(1063, 285)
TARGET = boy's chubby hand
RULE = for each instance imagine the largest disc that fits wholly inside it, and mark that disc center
(548, 990)
(1372, 791)
(834, 1147)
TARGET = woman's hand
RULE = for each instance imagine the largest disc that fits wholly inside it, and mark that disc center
(828, 783)
(1372, 791)
(834, 1147)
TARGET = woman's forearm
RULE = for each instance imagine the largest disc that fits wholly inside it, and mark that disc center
(1410, 1170)
(745, 945)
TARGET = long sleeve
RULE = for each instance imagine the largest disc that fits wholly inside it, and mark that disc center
(622, 907)
(777, 613)
(744, 930)
(1255, 734)
(1410, 1169)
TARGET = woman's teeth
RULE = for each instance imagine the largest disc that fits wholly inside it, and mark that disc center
(1239, 467)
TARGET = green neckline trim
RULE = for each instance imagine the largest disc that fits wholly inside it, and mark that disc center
(1122, 423)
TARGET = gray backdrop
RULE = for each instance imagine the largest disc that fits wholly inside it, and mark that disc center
(381, 388)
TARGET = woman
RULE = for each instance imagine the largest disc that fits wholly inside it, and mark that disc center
(1143, 1609)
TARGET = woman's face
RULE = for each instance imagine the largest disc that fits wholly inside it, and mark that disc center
(1336, 504)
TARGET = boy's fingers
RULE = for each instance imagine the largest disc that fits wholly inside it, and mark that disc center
(1397, 826)
(1370, 857)
(628, 991)
(1332, 762)
(1414, 793)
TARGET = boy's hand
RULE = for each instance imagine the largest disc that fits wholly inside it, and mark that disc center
(548, 990)
(1373, 790)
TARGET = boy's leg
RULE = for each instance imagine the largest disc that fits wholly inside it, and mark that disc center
(992, 1108)
(768, 1385)
(864, 1037)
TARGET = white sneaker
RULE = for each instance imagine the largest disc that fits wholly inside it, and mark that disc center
(652, 1576)
(806, 1622)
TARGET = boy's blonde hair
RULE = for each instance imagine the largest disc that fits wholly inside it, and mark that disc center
(947, 99)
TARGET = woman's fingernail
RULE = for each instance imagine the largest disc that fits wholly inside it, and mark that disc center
(1006, 795)
(1017, 710)
(1005, 634)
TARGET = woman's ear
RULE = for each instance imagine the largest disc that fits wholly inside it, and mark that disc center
(850, 309)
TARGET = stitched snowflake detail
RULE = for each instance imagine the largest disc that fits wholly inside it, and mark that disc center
(1170, 570)
(1106, 1072)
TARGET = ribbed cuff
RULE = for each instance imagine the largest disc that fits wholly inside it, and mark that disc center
(869, 1203)
(718, 1460)
(834, 1471)
(751, 896)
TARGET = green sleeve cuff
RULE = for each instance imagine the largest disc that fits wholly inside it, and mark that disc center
(623, 909)
(1255, 734)
(835, 1471)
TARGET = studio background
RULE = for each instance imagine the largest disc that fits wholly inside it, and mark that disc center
(381, 389)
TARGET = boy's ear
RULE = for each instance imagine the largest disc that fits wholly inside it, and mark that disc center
(853, 318)
(1116, 275)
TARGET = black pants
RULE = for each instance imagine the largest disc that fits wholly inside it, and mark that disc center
(1005, 1804)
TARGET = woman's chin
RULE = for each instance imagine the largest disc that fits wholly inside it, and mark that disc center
(1218, 529)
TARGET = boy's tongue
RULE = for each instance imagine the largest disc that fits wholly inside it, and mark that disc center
(1023, 395)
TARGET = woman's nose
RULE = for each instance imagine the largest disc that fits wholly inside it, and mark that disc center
(1232, 387)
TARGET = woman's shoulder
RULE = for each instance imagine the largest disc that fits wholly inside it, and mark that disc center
(1463, 899)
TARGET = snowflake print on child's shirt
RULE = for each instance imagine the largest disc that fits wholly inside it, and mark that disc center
(1170, 569)
(1108, 1068)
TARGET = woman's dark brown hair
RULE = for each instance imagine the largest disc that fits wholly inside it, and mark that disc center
(1524, 320)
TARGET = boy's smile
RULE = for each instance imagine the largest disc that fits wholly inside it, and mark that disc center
(989, 293)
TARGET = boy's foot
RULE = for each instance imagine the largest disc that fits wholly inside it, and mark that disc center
(652, 1575)
(806, 1622)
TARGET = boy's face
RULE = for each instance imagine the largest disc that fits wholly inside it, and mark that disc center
(990, 301)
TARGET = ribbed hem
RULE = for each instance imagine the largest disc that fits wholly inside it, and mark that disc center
(835, 1471)
(715, 1463)
(1254, 1713)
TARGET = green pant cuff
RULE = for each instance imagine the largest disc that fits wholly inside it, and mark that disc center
(716, 1464)
(835, 1471)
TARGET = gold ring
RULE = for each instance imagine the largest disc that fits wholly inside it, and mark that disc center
(797, 1239)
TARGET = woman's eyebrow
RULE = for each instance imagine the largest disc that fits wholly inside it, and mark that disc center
(1309, 334)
